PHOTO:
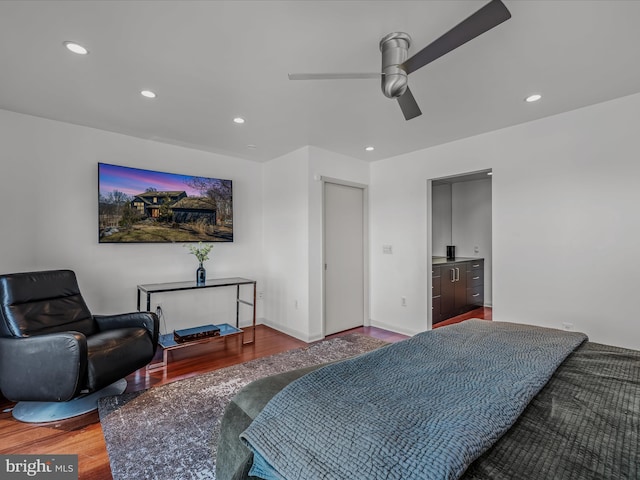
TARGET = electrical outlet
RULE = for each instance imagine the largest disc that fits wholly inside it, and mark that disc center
(260, 295)
(567, 326)
(403, 301)
(295, 304)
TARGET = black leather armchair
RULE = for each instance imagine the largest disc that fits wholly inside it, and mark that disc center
(52, 349)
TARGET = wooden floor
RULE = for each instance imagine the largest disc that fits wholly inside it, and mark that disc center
(83, 435)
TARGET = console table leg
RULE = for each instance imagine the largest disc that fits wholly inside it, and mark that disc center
(237, 306)
(253, 321)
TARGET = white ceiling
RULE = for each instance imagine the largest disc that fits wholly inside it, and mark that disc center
(210, 61)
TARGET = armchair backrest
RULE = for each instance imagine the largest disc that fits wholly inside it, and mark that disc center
(36, 303)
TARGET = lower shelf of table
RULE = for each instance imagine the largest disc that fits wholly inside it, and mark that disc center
(166, 343)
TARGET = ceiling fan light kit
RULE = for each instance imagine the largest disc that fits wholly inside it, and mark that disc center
(397, 65)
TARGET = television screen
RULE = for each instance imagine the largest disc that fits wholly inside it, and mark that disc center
(144, 206)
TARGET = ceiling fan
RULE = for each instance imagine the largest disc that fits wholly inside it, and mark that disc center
(396, 66)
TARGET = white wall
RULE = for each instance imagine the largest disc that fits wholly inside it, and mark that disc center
(565, 222)
(286, 243)
(441, 219)
(48, 189)
(293, 255)
(471, 225)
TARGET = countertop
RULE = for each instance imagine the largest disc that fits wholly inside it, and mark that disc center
(443, 260)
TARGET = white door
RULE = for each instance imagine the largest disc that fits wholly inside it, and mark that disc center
(344, 257)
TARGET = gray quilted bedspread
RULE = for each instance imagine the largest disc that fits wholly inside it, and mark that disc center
(583, 425)
(441, 399)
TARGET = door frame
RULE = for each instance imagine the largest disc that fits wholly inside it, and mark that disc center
(429, 298)
(365, 246)
(429, 198)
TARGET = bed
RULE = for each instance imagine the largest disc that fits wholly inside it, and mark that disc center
(582, 422)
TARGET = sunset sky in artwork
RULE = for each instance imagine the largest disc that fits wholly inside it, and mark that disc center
(134, 181)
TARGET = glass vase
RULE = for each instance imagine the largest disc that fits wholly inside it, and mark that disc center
(201, 275)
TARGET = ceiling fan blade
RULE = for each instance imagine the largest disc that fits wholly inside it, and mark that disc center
(332, 76)
(489, 16)
(408, 105)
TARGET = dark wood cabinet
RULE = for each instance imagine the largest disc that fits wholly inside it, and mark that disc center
(457, 287)
(453, 289)
(475, 284)
(435, 294)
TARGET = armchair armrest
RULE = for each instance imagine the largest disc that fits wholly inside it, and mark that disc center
(43, 368)
(147, 320)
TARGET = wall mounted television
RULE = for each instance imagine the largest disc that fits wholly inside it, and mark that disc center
(145, 206)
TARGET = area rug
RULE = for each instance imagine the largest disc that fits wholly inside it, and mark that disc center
(170, 432)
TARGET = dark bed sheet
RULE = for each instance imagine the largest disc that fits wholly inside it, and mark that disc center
(584, 424)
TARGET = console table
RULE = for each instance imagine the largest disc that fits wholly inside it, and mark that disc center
(168, 343)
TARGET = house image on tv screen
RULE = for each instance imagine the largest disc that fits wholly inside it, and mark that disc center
(194, 209)
(134, 209)
(177, 205)
(149, 203)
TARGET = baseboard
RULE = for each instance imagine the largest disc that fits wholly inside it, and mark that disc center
(314, 338)
(290, 331)
(246, 324)
(394, 328)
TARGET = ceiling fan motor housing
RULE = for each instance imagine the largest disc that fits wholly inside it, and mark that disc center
(395, 51)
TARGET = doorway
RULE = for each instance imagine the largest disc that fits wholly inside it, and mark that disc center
(344, 256)
(460, 216)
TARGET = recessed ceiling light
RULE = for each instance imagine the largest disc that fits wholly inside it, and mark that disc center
(369, 148)
(238, 120)
(75, 48)
(252, 146)
(533, 98)
(148, 94)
